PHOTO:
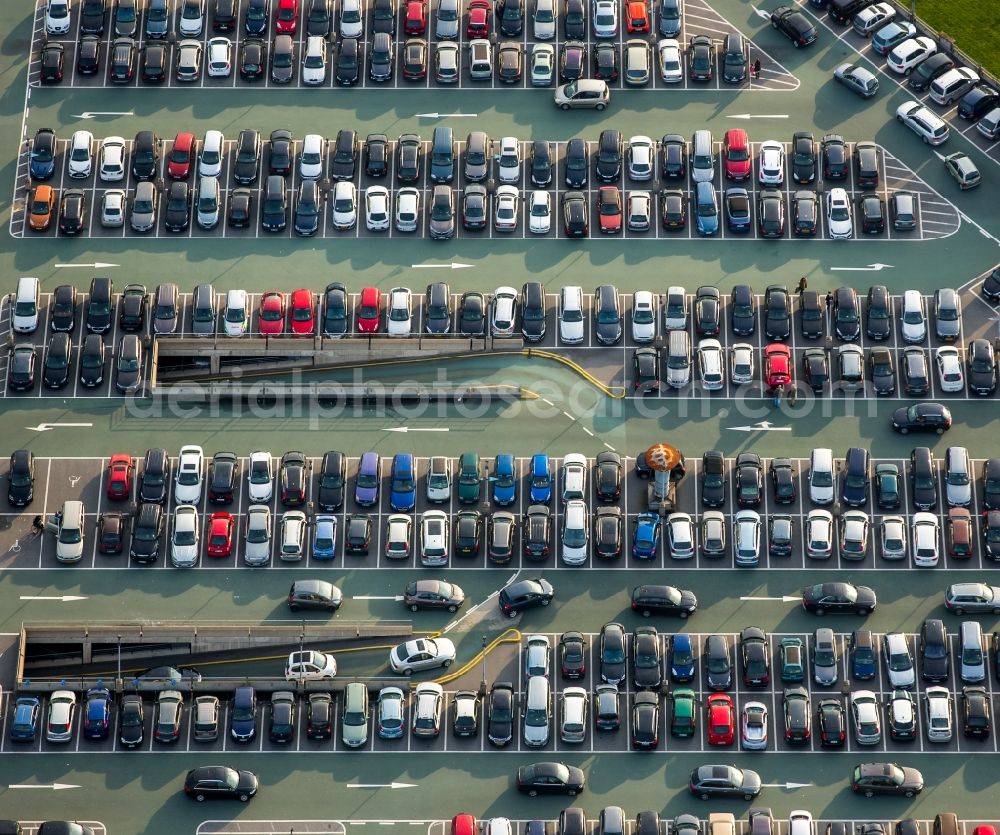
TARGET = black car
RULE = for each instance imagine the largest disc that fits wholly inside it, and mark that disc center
(132, 311)
(846, 314)
(701, 58)
(111, 532)
(500, 713)
(718, 662)
(783, 480)
(612, 654)
(55, 368)
(282, 59)
(713, 479)
(541, 163)
(607, 315)
(88, 55)
(224, 15)
(550, 778)
(797, 708)
(645, 721)
(471, 314)
(935, 660)
(916, 374)
(812, 314)
(770, 213)
(663, 600)
(332, 478)
(216, 782)
(923, 479)
(673, 209)
(239, 214)
(128, 364)
(749, 480)
(990, 288)
(803, 157)
(793, 25)
(437, 310)
(572, 655)
(384, 16)
(335, 318)
(887, 486)
(408, 158)
(710, 781)
(707, 311)
(348, 65)
(224, 472)
(53, 59)
(525, 594)
(881, 371)
(608, 478)
(535, 528)
(777, 313)
(510, 17)
(608, 162)
(155, 63)
(21, 478)
(306, 214)
(815, 368)
(878, 313)
(500, 538)
(253, 59)
(608, 532)
(866, 164)
(144, 546)
(178, 214)
(979, 101)
(646, 370)
(376, 155)
(92, 14)
(991, 484)
(357, 534)
(72, 211)
(274, 204)
(976, 712)
(130, 720)
(991, 540)
(576, 163)
(292, 479)
(929, 69)
(871, 209)
(834, 153)
(870, 779)
(279, 158)
(246, 165)
(319, 19)
(647, 673)
(153, 482)
(62, 313)
(575, 20)
(742, 313)
(922, 417)
(673, 157)
(121, 67)
(982, 367)
(606, 62)
(755, 657)
(145, 155)
(255, 18)
(475, 210)
(831, 722)
(838, 598)
(345, 155)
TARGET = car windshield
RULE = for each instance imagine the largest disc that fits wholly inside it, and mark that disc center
(899, 662)
(126, 363)
(607, 317)
(718, 665)
(839, 213)
(184, 538)
(257, 535)
(575, 537)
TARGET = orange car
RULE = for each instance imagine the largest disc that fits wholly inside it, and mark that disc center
(638, 17)
(42, 204)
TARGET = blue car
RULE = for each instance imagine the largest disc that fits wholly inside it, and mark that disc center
(243, 722)
(681, 658)
(324, 537)
(706, 209)
(25, 725)
(402, 483)
(43, 154)
(369, 474)
(504, 481)
(541, 479)
(97, 717)
(646, 536)
(863, 663)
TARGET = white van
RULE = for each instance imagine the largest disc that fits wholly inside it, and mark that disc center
(26, 302)
(69, 540)
(821, 480)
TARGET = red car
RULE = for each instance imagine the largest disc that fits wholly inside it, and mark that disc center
(286, 20)
(479, 19)
(271, 318)
(638, 17)
(609, 209)
(736, 153)
(182, 154)
(302, 314)
(416, 17)
(369, 310)
(721, 719)
(120, 477)
(777, 365)
(220, 534)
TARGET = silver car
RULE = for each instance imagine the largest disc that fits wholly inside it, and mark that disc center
(144, 206)
(428, 700)
(257, 539)
(893, 538)
(825, 658)
(583, 93)
(573, 713)
(898, 660)
(713, 533)
(446, 21)
(188, 60)
(184, 547)
(407, 209)
(637, 62)
(865, 717)
(937, 701)
(741, 366)
(113, 208)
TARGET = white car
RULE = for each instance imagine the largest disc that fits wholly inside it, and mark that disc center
(257, 538)
(898, 661)
(571, 318)
(746, 538)
(913, 321)
(377, 208)
(543, 62)
(509, 160)
(924, 538)
(800, 822)
(753, 726)
(184, 538)
(345, 205)
(314, 61)
(434, 531)
(398, 535)
(260, 476)
(81, 157)
(544, 20)
(575, 530)
(838, 214)
(421, 654)
(62, 710)
(641, 156)
(668, 51)
(938, 702)
(113, 208)
(675, 312)
(741, 366)
(949, 368)
(312, 156)
(643, 317)
(407, 209)
(506, 209)
(309, 665)
(399, 315)
(711, 365)
(292, 536)
(909, 53)
(574, 477)
(771, 165)
(220, 57)
(865, 717)
(540, 212)
(874, 17)
(923, 121)
(819, 534)
(57, 17)
(352, 23)
(573, 712)
(605, 19)
(188, 479)
(112, 166)
(428, 699)
(680, 536)
(537, 655)
(503, 311)
(638, 211)
(854, 535)
(192, 17)
(210, 159)
(236, 316)
(893, 538)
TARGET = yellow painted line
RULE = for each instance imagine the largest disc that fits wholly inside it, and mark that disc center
(615, 393)
(509, 636)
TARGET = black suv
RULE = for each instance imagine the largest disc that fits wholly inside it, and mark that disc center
(532, 311)
(155, 476)
(224, 472)
(576, 163)
(345, 155)
(408, 158)
(923, 479)
(21, 478)
(121, 67)
(332, 477)
(246, 167)
(292, 479)
(145, 545)
(376, 155)
(145, 155)
(866, 164)
(535, 531)
(834, 157)
(437, 308)
(541, 163)
(878, 313)
(713, 479)
(934, 656)
(609, 155)
(846, 314)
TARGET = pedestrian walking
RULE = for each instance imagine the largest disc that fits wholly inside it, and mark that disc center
(803, 283)
(756, 68)
(793, 396)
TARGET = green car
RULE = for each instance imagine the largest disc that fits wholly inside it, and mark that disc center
(792, 665)
(468, 478)
(684, 719)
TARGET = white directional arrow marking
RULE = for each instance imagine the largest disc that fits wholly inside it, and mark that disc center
(90, 114)
(397, 597)
(97, 265)
(763, 426)
(65, 598)
(45, 427)
(381, 785)
(786, 598)
(762, 14)
(452, 266)
(785, 785)
(871, 268)
(447, 115)
(405, 429)
(746, 116)
(54, 786)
